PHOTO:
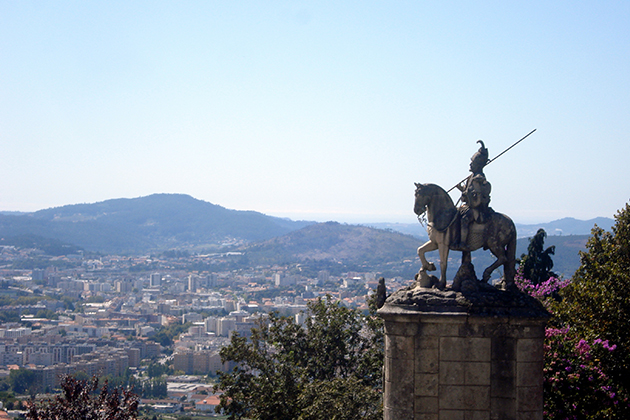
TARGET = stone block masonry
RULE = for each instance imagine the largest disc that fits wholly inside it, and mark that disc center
(451, 360)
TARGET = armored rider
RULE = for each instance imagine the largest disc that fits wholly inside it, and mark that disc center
(475, 196)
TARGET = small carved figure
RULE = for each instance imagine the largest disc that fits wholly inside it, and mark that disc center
(381, 293)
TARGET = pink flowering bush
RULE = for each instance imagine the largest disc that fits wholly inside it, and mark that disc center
(576, 384)
(545, 291)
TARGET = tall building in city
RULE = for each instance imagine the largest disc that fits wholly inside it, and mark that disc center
(225, 325)
(156, 279)
(37, 274)
(211, 324)
(123, 286)
(212, 280)
(322, 277)
(277, 279)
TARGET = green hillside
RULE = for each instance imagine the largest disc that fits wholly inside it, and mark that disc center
(175, 221)
(155, 222)
(566, 259)
(339, 247)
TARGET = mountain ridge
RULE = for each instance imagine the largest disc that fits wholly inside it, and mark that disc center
(338, 248)
(559, 227)
(161, 222)
(157, 221)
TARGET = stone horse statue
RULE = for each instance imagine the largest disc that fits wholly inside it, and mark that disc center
(498, 234)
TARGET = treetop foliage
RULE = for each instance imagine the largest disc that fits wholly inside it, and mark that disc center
(328, 368)
(587, 348)
(597, 302)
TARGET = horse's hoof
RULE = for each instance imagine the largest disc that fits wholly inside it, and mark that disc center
(431, 267)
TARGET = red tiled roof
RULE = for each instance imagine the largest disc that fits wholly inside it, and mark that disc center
(211, 400)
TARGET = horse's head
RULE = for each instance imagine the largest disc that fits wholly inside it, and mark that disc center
(422, 199)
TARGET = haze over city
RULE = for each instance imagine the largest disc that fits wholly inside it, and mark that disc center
(327, 111)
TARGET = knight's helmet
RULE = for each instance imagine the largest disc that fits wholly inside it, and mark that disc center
(480, 158)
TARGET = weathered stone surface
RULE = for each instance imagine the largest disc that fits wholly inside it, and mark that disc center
(487, 301)
(398, 414)
(452, 373)
(527, 374)
(530, 350)
(503, 378)
(428, 361)
(427, 384)
(477, 373)
(461, 397)
(469, 349)
(399, 347)
(427, 405)
(502, 408)
(530, 398)
(463, 355)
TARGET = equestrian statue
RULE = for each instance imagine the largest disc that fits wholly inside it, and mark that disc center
(471, 226)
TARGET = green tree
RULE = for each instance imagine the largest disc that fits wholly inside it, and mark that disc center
(22, 381)
(155, 370)
(85, 400)
(46, 313)
(7, 398)
(166, 334)
(537, 264)
(329, 368)
(154, 388)
(597, 302)
(582, 379)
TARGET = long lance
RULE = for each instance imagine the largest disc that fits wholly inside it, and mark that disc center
(496, 157)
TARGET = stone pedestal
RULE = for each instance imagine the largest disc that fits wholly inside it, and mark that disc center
(454, 356)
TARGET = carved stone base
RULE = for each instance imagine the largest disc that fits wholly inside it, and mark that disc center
(466, 278)
(463, 355)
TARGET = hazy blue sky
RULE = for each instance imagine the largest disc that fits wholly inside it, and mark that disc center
(315, 110)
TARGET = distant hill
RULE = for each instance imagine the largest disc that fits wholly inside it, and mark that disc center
(565, 261)
(174, 221)
(569, 235)
(159, 221)
(341, 247)
(333, 244)
(414, 229)
(566, 226)
(49, 246)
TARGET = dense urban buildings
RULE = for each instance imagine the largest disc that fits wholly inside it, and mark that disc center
(111, 316)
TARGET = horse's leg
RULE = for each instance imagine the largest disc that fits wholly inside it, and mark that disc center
(509, 272)
(509, 268)
(443, 249)
(427, 247)
(499, 252)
